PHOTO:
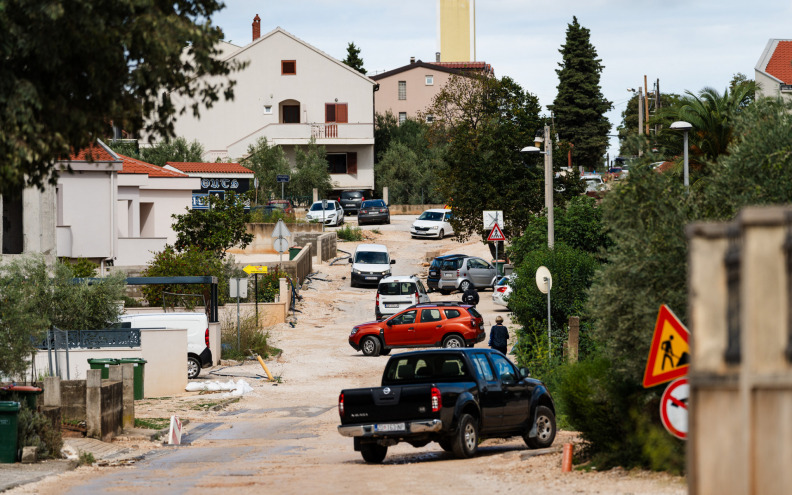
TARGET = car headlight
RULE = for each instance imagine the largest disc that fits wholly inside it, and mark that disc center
(331, 215)
(354, 331)
(356, 271)
(386, 274)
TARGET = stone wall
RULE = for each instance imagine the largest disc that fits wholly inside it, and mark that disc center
(112, 409)
(72, 399)
(262, 236)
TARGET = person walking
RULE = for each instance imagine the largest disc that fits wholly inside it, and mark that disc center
(470, 296)
(499, 335)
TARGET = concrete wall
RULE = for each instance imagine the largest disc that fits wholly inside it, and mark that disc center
(111, 409)
(72, 399)
(166, 369)
(323, 244)
(412, 209)
(38, 223)
(88, 200)
(262, 236)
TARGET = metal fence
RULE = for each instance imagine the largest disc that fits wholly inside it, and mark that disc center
(60, 341)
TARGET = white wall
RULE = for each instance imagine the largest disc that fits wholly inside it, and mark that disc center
(89, 201)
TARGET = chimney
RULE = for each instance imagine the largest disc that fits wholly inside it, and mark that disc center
(437, 56)
(256, 27)
(412, 60)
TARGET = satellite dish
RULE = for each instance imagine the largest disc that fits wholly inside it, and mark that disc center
(544, 281)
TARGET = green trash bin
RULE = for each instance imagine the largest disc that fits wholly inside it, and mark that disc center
(20, 392)
(140, 365)
(104, 365)
(8, 431)
(294, 251)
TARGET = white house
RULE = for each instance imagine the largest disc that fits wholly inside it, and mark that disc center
(289, 93)
(115, 209)
(773, 72)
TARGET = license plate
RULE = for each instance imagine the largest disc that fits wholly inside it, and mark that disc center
(389, 427)
(372, 213)
(449, 275)
(391, 305)
(371, 278)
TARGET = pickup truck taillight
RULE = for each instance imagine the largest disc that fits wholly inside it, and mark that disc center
(206, 337)
(341, 405)
(437, 399)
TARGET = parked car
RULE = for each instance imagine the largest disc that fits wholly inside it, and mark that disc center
(503, 290)
(197, 324)
(284, 205)
(421, 325)
(594, 182)
(397, 292)
(455, 397)
(331, 214)
(435, 269)
(432, 223)
(350, 201)
(462, 273)
(370, 263)
(373, 211)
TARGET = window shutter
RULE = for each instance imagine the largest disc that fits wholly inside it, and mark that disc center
(288, 67)
(341, 113)
(352, 162)
(330, 112)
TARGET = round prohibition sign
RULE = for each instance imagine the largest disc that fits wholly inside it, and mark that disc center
(674, 408)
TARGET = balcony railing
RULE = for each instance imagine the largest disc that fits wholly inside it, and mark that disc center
(321, 131)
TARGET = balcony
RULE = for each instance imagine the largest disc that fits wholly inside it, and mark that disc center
(301, 134)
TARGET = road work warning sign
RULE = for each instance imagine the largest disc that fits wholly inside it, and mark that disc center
(669, 356)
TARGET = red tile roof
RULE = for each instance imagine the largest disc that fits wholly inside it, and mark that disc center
(92, 153)
(133, 166)
(780, 64)
(482, 67)
(214, 168)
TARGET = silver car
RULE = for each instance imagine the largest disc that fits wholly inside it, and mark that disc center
(462, 273)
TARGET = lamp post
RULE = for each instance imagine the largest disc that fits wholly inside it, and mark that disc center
(683, 126)
(548, 169)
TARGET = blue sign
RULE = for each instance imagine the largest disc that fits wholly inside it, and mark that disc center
(282, 178)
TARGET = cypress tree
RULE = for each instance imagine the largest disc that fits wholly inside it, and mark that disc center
(353, 58)
(579, 107)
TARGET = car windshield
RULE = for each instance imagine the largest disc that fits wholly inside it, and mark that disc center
(351, 195)
(371, 257)
(426, 367)
(503, 281)
(396, 288)
(282, 206)
(373, 203)
(474, 313)
(434, 216)
(318, 206)
(452, 264)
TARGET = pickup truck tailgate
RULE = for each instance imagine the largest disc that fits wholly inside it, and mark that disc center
(383, 404)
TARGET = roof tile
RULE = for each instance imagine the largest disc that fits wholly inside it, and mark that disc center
(133, 166)
(780, 64)
(214, 168)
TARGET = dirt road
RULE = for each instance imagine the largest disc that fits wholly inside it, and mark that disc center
(282, 438)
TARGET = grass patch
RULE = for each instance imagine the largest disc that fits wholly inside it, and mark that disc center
(86, 458)
(376, 231)
(348, 233)
(152, 423)
(203, 406)
(251, 336)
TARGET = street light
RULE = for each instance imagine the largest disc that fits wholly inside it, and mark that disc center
(548, 166)
(683, 126)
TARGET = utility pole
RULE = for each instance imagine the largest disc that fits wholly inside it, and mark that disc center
(640, 117)
(646, 103)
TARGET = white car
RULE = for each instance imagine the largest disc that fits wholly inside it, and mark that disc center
(370, 263)
(503, 289)
(331, 214)
(397, 293)
(594, 182)
(432, 223)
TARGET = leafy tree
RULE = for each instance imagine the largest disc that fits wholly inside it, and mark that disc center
(579, 107)
(311, 171)
(667, 143)
(35, 296)
(216, 229)
(385, 126)
(485, 122)
(70, 68)
(353, 58)
(267, 162)
(176, 150)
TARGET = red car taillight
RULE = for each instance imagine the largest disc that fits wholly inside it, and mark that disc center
(378, 299)
(473, 323)
(501, 289)
(437, 400)
(206, 337)
(341, 405)
(457, 273)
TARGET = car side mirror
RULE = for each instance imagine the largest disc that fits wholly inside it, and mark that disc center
(525, 373)
(351, 260)
(389, 323)
(393, 262)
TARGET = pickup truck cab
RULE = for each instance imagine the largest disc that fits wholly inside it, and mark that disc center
(454, 397)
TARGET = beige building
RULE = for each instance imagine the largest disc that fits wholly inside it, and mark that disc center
(456, 30)
(290, 93)
(773, 72)
(408, 90)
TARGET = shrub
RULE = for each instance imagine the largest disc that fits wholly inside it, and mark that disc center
(82, 267)
(251, 337)
(34, 429)
(268, 286)
(348, 233)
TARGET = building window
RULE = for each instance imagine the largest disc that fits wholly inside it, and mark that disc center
(342, 163)
(402, 117)
(402, 90)
(336, 112)
(268, 109)
(429, 119)
(429, 80)
(288, 67)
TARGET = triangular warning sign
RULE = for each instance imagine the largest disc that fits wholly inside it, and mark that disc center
(496, 234)
(669, 356)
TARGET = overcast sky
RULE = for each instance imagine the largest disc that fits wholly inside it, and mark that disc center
(688, 44)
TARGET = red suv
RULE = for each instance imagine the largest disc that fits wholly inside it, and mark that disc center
(421, 325)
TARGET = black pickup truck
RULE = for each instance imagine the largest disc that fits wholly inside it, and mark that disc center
(452, 397)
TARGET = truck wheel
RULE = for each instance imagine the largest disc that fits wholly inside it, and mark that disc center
(465, 442)
(453, 341)
(373, 452)
(545, 429)
(193, 367)
(370, 346)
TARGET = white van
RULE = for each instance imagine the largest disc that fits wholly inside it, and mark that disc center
(370, 263)
(198, 353)
(397, 293)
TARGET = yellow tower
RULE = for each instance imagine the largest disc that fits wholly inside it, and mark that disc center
(456, 21)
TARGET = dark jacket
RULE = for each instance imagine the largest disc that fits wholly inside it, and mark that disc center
(499, 335)
(470, 296)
